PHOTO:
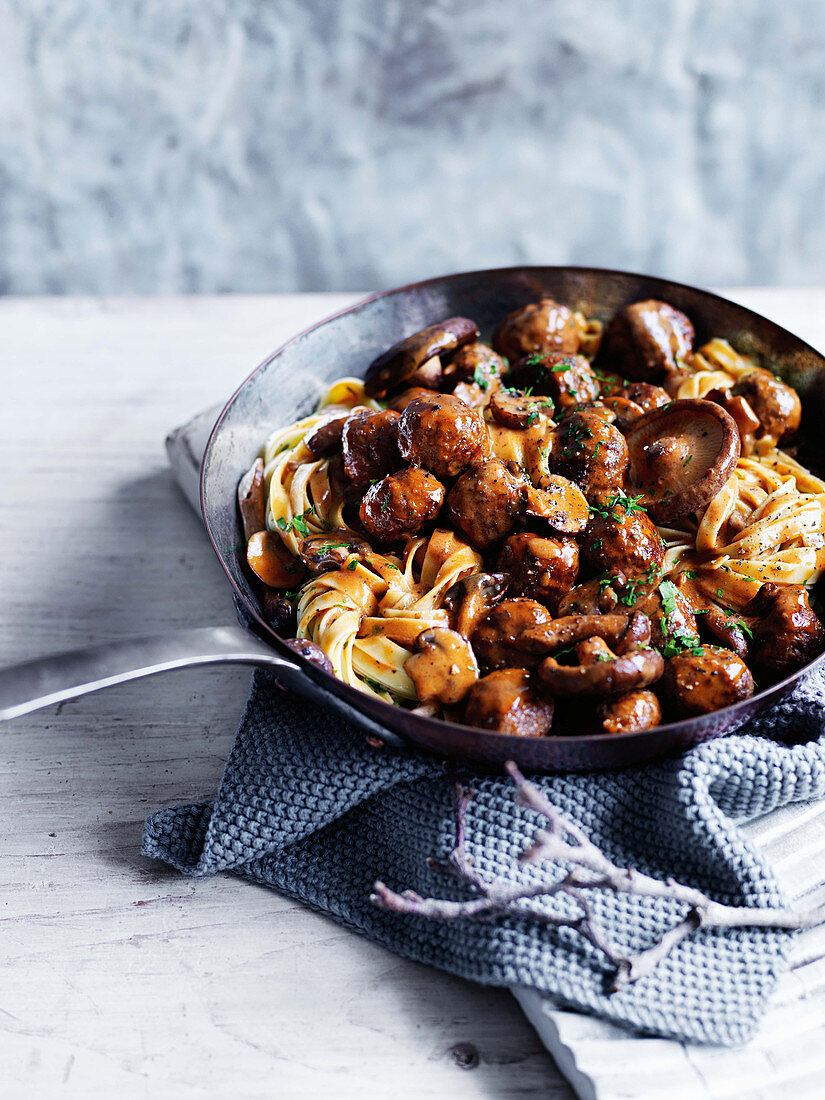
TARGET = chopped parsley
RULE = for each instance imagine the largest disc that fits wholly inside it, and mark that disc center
(353, 564)
(676, 641)
(297, 523)
(620, 499)
(535, 360)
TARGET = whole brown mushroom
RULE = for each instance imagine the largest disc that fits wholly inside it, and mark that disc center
(405, 363)
(469, 599)
(601, 671)
(504, 702)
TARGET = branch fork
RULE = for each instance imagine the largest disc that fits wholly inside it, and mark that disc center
(562, 841)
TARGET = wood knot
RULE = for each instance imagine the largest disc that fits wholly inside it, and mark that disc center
(465, 1055)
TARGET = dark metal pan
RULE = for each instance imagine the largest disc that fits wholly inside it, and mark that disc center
(287, 385)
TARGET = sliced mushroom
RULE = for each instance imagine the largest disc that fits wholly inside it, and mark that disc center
(279, 612)
(787, 634)
(328, 552)
(540, 569)
(538, 327)
(399, 365)
(400, 504)
(473, 363)
(498, 640)
(310, 652)
(515, 410)
(637, 710)
(625, 412)
(746, 420)
(622, 632)
(698, 683)
(505, 702)
(443, 668)
(251, 499)
(646, 339)
(560, 503)
(681, 455)
(327, 437)
(469, 600)
(271, 562)
(601, 671)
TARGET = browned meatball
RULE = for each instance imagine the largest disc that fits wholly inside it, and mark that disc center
(540, 569)
(505, 702)
(674, 624)
(776, 405)
(622, 539)
(788, 634)
(485, 502)
(645, 339)
(646, 395)
(568, 379)
(401, 400)
(540, 326)
(590, 452)
(637, 710)
(442, 434)
(401, 504)
(473, 363)
(698, 683)
(369, 446)
(498, 639)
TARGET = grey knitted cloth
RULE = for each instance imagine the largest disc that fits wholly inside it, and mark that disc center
(307, 807)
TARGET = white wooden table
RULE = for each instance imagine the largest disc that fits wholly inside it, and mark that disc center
(120, 978)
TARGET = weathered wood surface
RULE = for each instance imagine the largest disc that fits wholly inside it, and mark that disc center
(121, 978)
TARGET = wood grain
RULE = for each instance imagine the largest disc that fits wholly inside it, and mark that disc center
(120, 977)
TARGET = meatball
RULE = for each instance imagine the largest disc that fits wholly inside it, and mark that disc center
(590, 452)
(442, 434)
(622, 539)
(789, 634)
(369, 446)
(645, 340)
(698, 683)
(505, 702)
(540, 326)
(401, 504)
(567, 379)
(637, 710)
(473, 363)
(497, 640)
(776, 405)
(485, 502)
(540, 569)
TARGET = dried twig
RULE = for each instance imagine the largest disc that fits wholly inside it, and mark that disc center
(563, 841)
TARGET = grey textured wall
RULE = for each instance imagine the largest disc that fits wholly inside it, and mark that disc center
(199, 145)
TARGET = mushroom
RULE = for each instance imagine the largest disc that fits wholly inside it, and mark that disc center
(602, 671)
(402, 363)
(517, 410)
(746, 420)
(589, 451)
(327, 437)
(776, 406)
(704, 681)
(646, 395)
(540, 569)
(788, 633)
(473, 363)
(279, 612)
(251, 499)
(369, 446)
(538, 327)
(400, 504)
(443, 668)
(619, 631)
(567, 379)
(637, 710)
(442, 434)
(328, 552)
(469, 599)
(504, 702)
(560, 503)
(647, 339)
(498, 640)
(485, 502)
(271, 562)
(625, 411)
(681, 455)
(310, 652)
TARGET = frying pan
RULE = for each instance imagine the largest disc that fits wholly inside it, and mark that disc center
(286, 386)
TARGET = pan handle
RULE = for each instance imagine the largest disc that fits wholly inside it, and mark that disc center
(39, 683)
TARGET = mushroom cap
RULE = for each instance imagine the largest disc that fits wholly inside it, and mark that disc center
(328, 552)
(471, 598)
(443, 668)
(561, 503)
(681, 455)
(271, 562)
(400, 362)
(600, 671)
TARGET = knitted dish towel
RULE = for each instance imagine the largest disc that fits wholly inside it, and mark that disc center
(307, 807)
